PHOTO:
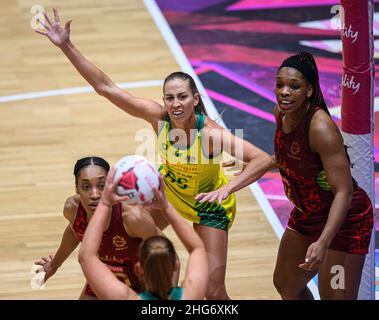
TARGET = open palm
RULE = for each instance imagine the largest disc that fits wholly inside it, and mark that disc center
(57, 33)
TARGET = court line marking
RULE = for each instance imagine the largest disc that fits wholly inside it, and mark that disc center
(55, 214)
(76, 90)
(185, 65)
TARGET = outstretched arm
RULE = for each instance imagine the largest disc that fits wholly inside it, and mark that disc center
(59, 35)
(69, 242)
(100, 278)
(196, 278)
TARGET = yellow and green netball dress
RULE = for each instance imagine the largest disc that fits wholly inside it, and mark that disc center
(188, 172)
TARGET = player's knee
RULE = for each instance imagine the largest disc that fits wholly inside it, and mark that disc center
(287, 288)
(278, 283)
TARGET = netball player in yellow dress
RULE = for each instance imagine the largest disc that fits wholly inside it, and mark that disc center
(190, 145)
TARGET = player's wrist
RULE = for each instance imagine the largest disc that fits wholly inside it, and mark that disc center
(324, 242)
(105, 202)
(167, 207)
(54, 265)
(230, 186)
(164, 208)
(66, 45)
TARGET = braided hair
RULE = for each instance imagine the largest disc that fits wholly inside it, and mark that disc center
(88, 161)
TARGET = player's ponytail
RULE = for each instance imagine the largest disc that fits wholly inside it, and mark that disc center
(317, 98)
(157, 258)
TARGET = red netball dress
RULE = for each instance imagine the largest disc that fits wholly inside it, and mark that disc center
(117, 249)
(306, 186)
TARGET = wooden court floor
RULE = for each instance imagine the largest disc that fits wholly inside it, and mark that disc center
(41, 138)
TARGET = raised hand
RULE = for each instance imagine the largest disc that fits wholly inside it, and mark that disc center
(109, 197)
(160, 201)
(58, 34)
(48, 268)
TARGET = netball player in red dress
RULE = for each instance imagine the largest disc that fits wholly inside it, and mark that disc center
(125, 229)
(157, 265)
(329, 229)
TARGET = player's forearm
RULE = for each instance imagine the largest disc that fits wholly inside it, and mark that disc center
(255, 169)
(94, 232)
(188, 237)
(68, 244)
(94, 76)
(337, 215)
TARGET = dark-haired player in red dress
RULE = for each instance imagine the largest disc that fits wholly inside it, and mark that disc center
(329, 229)
(127, 227)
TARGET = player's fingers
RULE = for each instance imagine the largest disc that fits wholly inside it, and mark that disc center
(200, 196)
(313, 265)
(161, 183)
(202, 200)
(111, 181)
(210, 196)
(314, 262)
(223, 196)
(112, 173)
(68, 24)
(122, 198)
(150, 206)
(306, 264)
(41, 32)
(303, 266)
(214, 197)
(47, 18)
(205, 197)
(43, 24)
(56, 16)
(308, 255)
(157, 196)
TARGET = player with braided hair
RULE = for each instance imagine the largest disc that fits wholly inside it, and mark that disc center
(123, 232)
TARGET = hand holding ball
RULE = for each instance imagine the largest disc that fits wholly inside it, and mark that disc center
(138, 179)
